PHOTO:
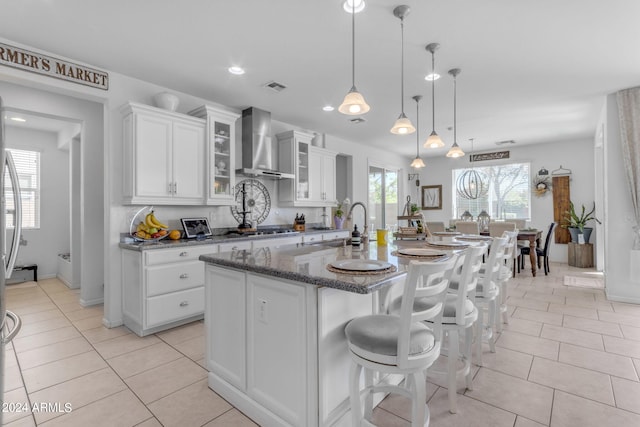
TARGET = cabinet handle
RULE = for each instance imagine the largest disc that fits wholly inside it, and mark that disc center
(175, 188)
(184, 303)
(171, 188)
(184, 253)
(235, 248)
(184, 276)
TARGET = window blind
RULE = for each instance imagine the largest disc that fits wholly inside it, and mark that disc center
(28, 168)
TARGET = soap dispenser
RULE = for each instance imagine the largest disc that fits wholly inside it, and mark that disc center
(355, 236)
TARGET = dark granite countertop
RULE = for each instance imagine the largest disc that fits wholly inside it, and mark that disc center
(307, 264)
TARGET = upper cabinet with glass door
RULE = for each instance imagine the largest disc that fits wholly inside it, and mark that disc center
(220, 154)
(314, 168)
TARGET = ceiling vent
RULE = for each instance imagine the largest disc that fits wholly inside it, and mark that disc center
(507, 142)
(357, 120)
(275, 86)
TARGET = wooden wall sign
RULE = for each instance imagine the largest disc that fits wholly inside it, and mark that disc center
(26, 60)
(496, 155)
(561, 204)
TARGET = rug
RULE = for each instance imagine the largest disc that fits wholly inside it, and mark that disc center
(584, 282)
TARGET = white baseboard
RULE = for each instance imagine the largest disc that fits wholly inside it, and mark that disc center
(618, 298)
(89, 303)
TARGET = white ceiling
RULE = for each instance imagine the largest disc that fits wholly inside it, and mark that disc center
(533, 71)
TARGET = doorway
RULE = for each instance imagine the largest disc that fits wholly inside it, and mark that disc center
(48, 174)
(383, 197)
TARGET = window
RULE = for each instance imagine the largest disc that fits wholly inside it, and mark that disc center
(508, 192)
(28, 169)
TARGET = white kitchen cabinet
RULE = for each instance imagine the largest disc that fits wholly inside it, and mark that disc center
(314, 168)
(163, 288)
(163, 157)
(221, 154)
(322, 176)
(259, 328)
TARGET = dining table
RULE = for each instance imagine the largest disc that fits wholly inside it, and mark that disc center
(533, 236)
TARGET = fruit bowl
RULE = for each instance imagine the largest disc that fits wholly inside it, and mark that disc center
(145, 227)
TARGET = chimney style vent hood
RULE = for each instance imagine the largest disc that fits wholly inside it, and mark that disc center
(257, 152)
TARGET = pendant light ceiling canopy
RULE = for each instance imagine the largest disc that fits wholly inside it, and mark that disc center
(353, 103)
(455, 151)
(403, 125)
(434, 140)
(417, 162)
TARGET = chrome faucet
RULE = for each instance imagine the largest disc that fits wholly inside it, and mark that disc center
(364, 236)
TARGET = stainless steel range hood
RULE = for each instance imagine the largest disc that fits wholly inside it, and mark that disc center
(256, 150)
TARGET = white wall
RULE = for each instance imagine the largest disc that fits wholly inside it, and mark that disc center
(574, 155)
(621, 284)
(44, 244)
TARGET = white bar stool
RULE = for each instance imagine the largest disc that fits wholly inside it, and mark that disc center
(402, 344)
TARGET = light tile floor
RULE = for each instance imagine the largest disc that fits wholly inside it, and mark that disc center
(567, 358)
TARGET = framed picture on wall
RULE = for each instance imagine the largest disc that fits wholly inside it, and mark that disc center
(431, 197)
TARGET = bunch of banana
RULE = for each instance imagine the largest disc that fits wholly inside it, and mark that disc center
(151, 221)
(151, 228)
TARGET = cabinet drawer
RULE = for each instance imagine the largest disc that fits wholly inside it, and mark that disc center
(309, 238)
(174, 277)
(185, 253)
(174, 306)
(338, 234)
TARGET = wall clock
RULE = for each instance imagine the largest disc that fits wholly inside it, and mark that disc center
(257, 201)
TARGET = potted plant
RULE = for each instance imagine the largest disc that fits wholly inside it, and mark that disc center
(576, 224)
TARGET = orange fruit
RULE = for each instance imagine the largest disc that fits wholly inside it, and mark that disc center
(174, 235)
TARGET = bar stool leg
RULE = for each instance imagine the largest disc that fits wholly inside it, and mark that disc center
(468, 341)
(419, 400)
(453, 365)
(354, 382)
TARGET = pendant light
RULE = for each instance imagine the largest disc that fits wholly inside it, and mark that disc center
(455, 151)
(403, 125)
(417, 162)
(434, 140)
(353, 103)
(470, 185)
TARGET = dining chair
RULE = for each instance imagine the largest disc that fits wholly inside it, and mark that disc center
(540, 252)
(435, 226)
(468, 227)
(496, 229)
(520, 223)
(487, 291)
(400, 343)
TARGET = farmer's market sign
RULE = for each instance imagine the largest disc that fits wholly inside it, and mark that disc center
(26, 60)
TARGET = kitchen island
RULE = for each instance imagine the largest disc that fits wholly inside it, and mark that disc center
(275, 318)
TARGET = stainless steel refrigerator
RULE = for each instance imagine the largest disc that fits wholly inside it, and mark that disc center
(10, 322)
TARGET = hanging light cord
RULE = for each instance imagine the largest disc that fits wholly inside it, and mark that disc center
(417, 129)
(402, 66)
(353, 43)
(433, 92)
(455, 139)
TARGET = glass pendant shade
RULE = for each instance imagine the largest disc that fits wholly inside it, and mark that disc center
(434, 141)
(354, 103)
(403, 126)
(466, 216)
(483, 220)
(455, 151)
(417, 163)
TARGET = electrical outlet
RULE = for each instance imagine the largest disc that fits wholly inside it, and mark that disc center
(263, 312)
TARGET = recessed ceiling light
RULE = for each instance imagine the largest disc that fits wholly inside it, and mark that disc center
(18, 119)
(328, 108)
(349, 4)
(432, 76)
(238, 71)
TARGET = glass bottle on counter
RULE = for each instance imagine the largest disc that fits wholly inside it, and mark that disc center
(355, 236)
